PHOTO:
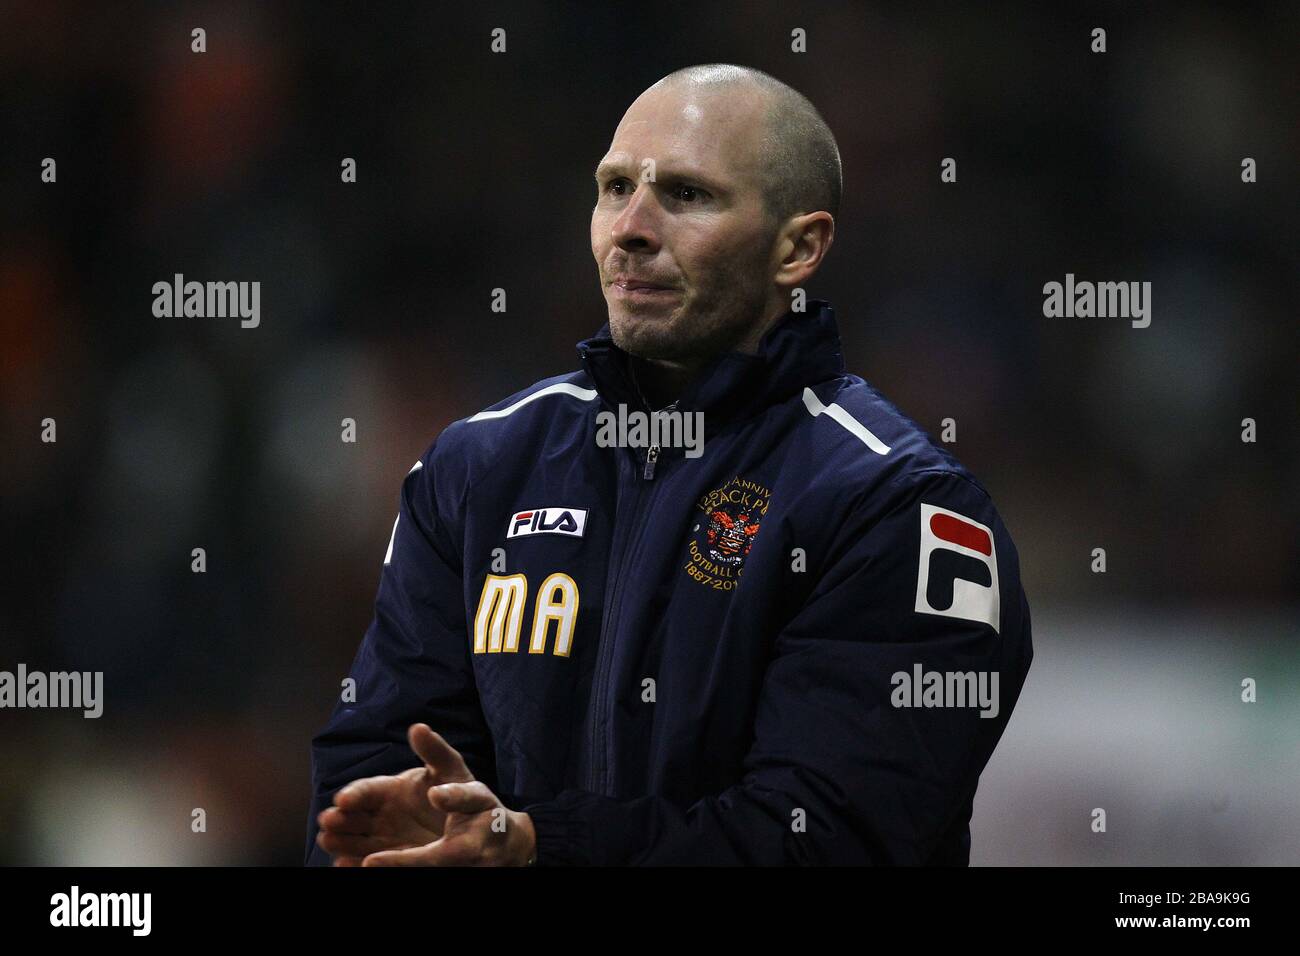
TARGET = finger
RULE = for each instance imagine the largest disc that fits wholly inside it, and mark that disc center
(438, 755)
(472, 797)
(364, 794)
(413, 856)
(347, 861)
(336, 844)
(338, 820)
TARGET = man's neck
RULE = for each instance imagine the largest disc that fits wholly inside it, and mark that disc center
(663, 382)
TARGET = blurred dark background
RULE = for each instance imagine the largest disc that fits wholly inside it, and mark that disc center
(474, 172)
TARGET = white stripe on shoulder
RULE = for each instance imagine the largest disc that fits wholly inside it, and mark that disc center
(561, 388)
(859, 431)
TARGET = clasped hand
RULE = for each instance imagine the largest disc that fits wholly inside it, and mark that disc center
(433, 815)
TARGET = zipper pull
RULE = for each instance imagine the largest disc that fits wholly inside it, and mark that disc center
(651, 457)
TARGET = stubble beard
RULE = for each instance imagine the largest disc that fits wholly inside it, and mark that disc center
(704, 324)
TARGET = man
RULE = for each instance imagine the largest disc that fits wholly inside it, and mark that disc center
(766, 649)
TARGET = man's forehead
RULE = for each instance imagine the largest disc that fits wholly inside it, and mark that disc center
(676, 159)
(685, 130)
(664, 112)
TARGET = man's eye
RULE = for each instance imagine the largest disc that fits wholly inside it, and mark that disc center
(688, 193)
(615, 184)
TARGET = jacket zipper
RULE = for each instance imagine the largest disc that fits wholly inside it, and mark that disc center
(652, 455)
(613, 599)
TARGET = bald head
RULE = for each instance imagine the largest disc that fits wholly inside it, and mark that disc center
(800, 160)
(715, 200)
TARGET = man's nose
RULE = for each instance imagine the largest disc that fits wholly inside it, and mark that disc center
(636, 226)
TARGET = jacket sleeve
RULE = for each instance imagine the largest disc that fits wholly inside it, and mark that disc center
(839, 772)
(413, 663)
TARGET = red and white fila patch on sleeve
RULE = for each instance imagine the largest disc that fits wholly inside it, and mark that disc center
(958, 573)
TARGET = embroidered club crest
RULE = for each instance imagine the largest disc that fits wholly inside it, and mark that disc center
(731, 535)
(730, 519)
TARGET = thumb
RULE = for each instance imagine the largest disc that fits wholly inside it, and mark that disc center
(471, 797)
(440, 757)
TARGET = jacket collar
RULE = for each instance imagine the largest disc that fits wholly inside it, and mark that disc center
(800, 349)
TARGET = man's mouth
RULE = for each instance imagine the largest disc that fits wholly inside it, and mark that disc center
(641, 289)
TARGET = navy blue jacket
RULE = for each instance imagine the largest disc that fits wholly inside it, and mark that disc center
(697, 660)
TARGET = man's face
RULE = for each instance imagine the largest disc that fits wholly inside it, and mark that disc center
(685, 260)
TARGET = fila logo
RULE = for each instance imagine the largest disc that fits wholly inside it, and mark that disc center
(958, 574)
(570, 521)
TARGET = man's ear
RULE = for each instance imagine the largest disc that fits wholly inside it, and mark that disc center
(803, 245)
